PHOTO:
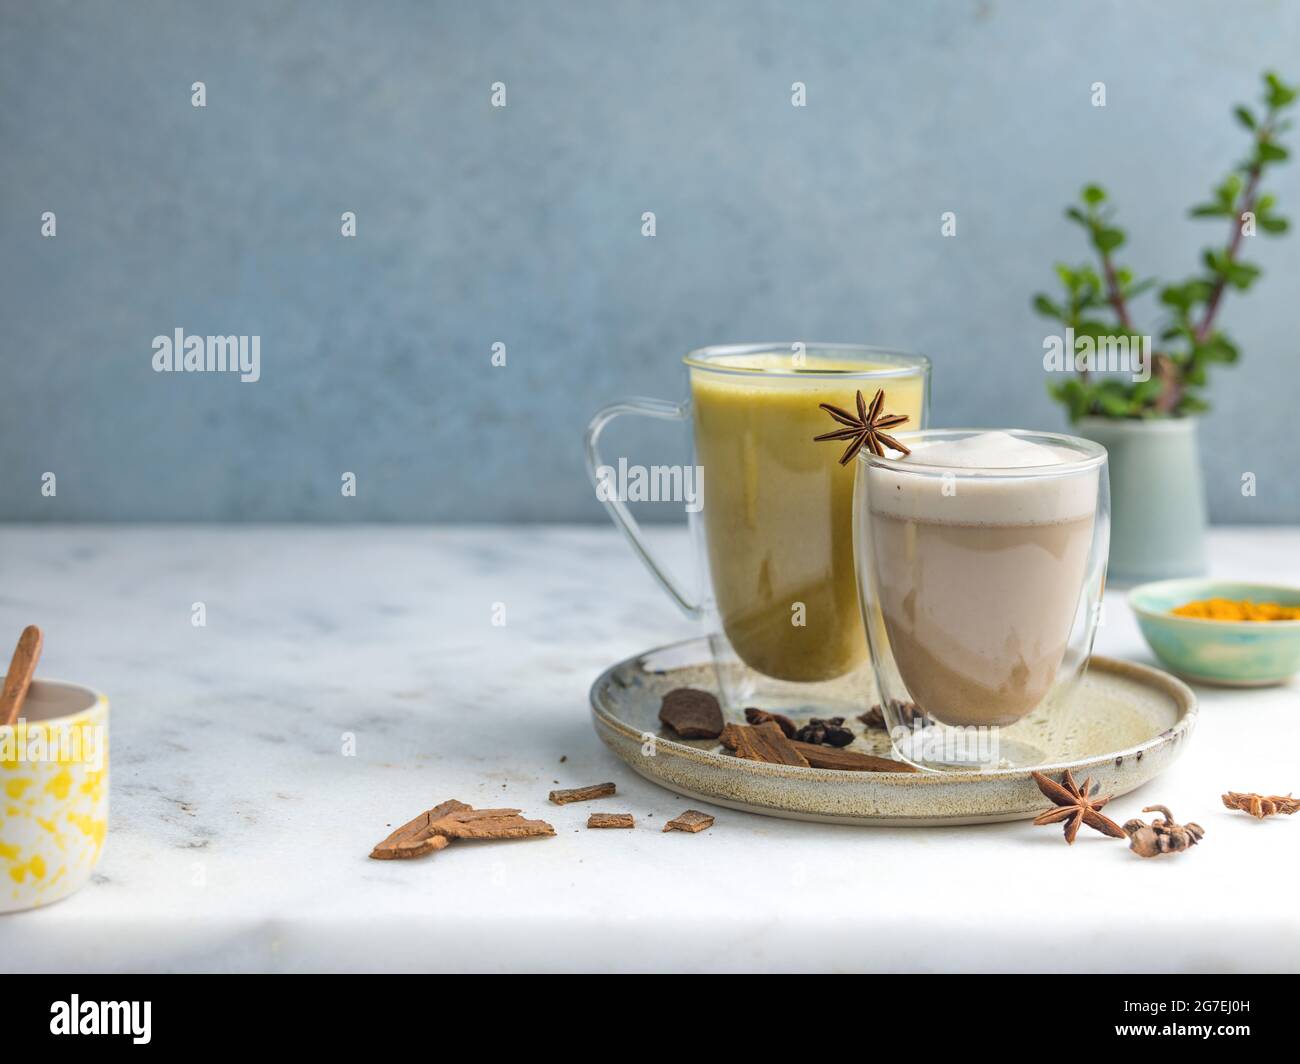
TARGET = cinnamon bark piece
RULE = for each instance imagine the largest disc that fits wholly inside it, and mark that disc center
(582, 794)
(489, 824)
(691, 820)
(611, 820)
(415, 838)
(849, 760)
(762, 742)
(691, 713)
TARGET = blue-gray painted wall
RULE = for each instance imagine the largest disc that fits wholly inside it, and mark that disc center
(523, 225)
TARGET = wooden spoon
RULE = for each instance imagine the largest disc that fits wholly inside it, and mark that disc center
(19, 677)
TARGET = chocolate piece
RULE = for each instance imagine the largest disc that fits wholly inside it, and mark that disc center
(762, 716)
(761, 742)
(691, 820)
(610, 820)
(582, 794)
(691, 713)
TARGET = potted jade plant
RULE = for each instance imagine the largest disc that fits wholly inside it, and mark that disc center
(1139, 395)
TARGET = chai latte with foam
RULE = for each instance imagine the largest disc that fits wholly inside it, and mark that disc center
(979, 581)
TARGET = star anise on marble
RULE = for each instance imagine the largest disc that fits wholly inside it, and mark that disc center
(864, 430)
(1259, 805)
(1076, 805)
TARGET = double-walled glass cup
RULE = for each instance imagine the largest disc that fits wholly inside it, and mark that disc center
(980, 588)
(774, 536)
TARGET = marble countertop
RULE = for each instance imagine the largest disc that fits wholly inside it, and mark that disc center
(240, 827)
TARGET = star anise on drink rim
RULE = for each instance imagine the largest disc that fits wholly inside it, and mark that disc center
(1076, 805)
(864, 430)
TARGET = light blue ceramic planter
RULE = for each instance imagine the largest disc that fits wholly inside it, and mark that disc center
(1157, 524)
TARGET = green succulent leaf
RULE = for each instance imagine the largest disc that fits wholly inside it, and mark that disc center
(1047, 308)
(1241, 275)
(1226, 194)
(1074, 394)
(1094, 328)
(1108, 239)
(1147, 391)
(1112, 405)
(1278, 94)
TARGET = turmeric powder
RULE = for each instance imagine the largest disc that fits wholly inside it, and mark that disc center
(1218, 609)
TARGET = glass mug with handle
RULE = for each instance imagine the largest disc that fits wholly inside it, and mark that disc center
(774, 537)
(981, 562)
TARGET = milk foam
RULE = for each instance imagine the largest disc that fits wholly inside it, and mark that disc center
(985, 498)
(991, 450)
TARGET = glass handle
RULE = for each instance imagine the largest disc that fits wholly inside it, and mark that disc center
(618, 511)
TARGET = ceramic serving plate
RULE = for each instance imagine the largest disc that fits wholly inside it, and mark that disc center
(1122, 725)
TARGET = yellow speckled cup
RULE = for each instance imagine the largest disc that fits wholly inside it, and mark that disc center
(53, 794)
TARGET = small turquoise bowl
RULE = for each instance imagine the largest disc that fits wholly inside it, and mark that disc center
(1229, 653)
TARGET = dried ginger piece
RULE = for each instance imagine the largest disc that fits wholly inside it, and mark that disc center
(1163, 835)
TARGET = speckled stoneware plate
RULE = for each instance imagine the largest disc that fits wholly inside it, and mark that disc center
(1122, 725)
